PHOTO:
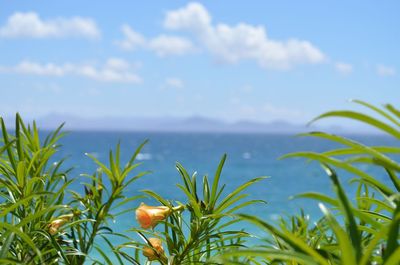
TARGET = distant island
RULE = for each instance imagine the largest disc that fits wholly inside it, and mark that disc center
(182, 124)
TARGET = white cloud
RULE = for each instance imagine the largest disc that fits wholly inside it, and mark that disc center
(384, 70)
(30, 25)
(113, 70)
(162, 45)
(174, 83)
(132, 39)
(193, 17)
(28, 67)
(344, 68)
(232, 44)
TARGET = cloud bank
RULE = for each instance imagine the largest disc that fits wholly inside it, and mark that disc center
(31, 25)
(113, 70)
(231, 44)
(163, 45)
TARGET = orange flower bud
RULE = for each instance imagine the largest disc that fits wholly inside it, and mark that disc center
(155, 251)
(57, 223)
(149, 216)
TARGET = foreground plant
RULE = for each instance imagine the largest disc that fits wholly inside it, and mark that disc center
(195, 230)
(42, 221)
(101, 204)
(32, 193)
(363, 230)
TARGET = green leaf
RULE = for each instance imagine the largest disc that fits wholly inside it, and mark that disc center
(362, 148)
(377, 110)
(292, 240)
(338, 163)
(346, 209)
(394, 259)
(393, 110)
(353, 151)
(7, 142)
(22, 235)
(318, 197)
(347, 252)
(217, 176)
(291, 257)
(362, 118)
(231, 198)
(137, 151)
(392, 242)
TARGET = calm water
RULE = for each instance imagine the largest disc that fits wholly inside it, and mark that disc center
(249, 156)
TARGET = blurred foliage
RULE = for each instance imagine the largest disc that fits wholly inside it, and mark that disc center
(360, 230)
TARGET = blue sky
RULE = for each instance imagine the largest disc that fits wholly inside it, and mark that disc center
(231, 60)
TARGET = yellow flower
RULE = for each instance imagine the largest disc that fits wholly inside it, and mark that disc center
(57, 223)
(149, 216)
(155, 251)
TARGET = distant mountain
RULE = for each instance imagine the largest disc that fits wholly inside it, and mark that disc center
(172, 124)
(166, 124)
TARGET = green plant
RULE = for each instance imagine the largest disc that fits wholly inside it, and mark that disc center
(198, 229)
(100, 204)
(32, 191)
(42, 221)
(45, 222)
(360, 231)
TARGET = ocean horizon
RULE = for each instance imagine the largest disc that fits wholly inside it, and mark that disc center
(250, 155)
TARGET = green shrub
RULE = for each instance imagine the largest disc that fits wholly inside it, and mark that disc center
(202, 232)
(362, 231)
(44, 222)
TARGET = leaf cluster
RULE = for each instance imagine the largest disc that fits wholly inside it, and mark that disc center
(363, 229)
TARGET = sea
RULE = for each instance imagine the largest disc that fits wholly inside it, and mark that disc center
(248, 156)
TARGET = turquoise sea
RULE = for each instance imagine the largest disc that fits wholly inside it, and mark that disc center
(249, 156)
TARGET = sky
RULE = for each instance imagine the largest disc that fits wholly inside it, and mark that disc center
(230, 60)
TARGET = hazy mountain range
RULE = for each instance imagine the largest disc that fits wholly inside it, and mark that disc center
(174, 124)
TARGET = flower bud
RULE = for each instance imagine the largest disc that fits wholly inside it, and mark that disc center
(155, 251)
(57, 223)
(149, 216)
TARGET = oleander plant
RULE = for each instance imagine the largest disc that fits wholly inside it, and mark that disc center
(42, 220)
(46, 219)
